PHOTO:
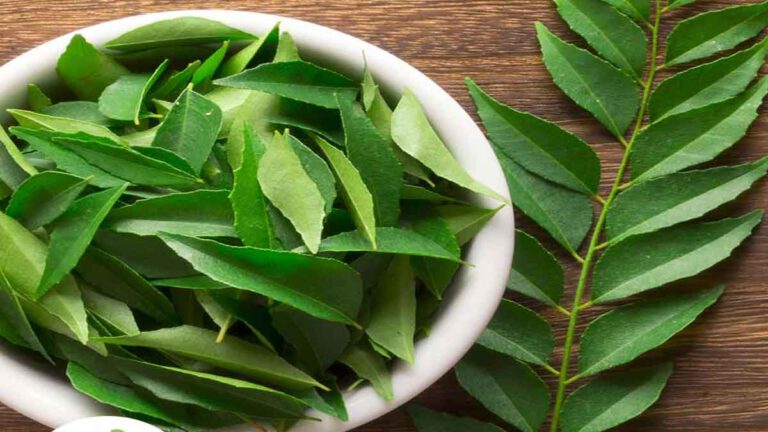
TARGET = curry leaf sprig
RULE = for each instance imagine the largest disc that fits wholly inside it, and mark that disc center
(214, 231)
(653, 225)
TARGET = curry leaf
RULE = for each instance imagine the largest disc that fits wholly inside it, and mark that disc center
(176, 32)
(609, 94)
(36, 98)
(59, 123)
(87, 71)
(520, 333)
(259, 51)
(623, 334)
(44, 197)
(673, 4)
(124, 98)
(84, 111)
(370, 367)
(149, 256)
(317, 170)
(205, 73)
(535, 271)
(431, 421)
(465, 221)
(714, 31)
(14, 167)
(435, 273)
(112, 312)
(392, 323)
(389, 240)
(13, 316)
(172, 87)
(637, 9)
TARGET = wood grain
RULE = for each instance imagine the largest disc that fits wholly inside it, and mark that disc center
(721, 372)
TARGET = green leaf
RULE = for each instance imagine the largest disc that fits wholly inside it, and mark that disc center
(608, 402)
(177, 32)
(506, 387)
(715, 31)
(171, 88)
(212, 392)
(124, 98)
(356, 195)
(668, 255)
(292, 114)
(519, 332)
(465, 221)
(205, 73)
(260, 51)
(36, 98)
(538, 145)
(665, 147)
(73, 232)
(249, 204)
(389, 240)
(564, 214)
(318, 343)
(640, 10)
(413, 133)
(286, 49)
(113, 312)
(190, 128)
(418, 193)
(707, 84)
(149, 256)
(298, 80)
(393, 310)
(678, 197)
(109, 163)
(374, 158)
(14, 167)
(673, 4)
(623, 334)
(288, 186)
(432, 421)
(23, 259)
(331, 402)
(84, 111)
(87, 71)
(33, 120)
(115, 279)
(232, 354)
(317, 170)
(612, 34)
(436, 274)
(325, 288)
(609, 94)
(44, 197)
(204, 213)
(371, 367)
(535, 271)
(13, 317)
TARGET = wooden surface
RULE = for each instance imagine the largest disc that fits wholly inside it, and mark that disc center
(721, 377)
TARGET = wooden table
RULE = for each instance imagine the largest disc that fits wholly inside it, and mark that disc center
(721, 378)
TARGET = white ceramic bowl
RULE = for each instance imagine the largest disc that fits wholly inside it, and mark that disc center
(33, 389)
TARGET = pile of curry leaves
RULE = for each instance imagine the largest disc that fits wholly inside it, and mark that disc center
(209, 230)
(653, 227)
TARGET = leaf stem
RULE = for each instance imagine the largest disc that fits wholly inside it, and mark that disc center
(564, 311)
(594, 242)
(550, 369)
(598, 199)
(577, 257)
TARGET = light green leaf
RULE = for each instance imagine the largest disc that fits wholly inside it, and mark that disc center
(299, 80)
(564, 214)
(374, 158)
(260, 51)
(668, 255)
(356, 195)
(371, 367)
(707, 84)
(33, 120)
(432, 421)
(13, 317)
(115, 279)
(113, 312)
(519, 332)
(715, 31)
(44, 197)
(322, 287)
(506, 387)
(612, 34)
(316, 169)
(171, 88)
(640, 10)
(84, 111)
(288, 186)
(666, 147)
(678, 197)
(73, 232)
(205, 73)
(436, 274)
(286, 49)
(392, 323)
(538, 145)
(623, 334)
(318, 343)
(609, 94)
(535, 271)
(413, 133)
(87, 71)
(177, 32)
(220, 316)
(204, 213)
(607, 402)
(37, 100)
(389, 240)
(190, 128)
(232, 354)
(124, 98)
(249, 204)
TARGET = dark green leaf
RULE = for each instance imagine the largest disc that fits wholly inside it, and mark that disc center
(12, 317)
(437, 274)
(535, 271)
(112, 312)
(431, 421)
(259, 51)
(715, 31)
(44, 197)
(608, 402)
(205, 73)
(147, 255)
(625, 333)
(418, 193)
(14, 167)
(637, 9)
(176, 32)
(610, 95)
(675, 198)
(330, 402)
(124, 98)
(172, 87)
(673, 4)
(506, 387)
(539, 146)
(317, 170)
(392, 323)
(87, 71)
(371, 367)
(519, 332)
(665, 147)
(465, 221)
(389, 240)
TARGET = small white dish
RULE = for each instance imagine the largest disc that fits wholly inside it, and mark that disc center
(32, 388)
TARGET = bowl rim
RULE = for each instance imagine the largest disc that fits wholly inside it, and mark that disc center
(34, 390)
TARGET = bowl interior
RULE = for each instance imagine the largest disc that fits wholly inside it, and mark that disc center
(34, 389)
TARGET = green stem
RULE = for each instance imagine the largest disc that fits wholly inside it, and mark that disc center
(563, 379)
